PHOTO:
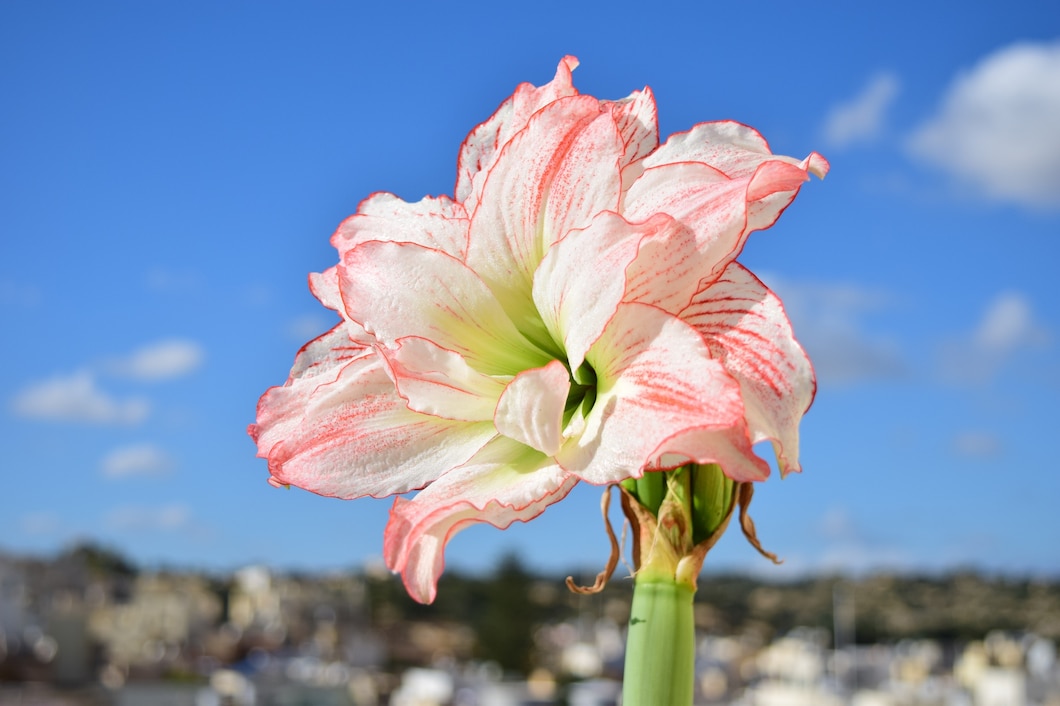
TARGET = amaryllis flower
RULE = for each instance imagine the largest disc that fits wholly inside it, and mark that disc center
(574, 313)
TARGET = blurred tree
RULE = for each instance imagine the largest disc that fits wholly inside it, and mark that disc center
(507, 618)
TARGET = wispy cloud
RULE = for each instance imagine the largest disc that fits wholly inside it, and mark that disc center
(997, 127)
(40, 524)
(159, 361)
(167, 518)
(1007, 327)
(136, 460)
(829, 320)
(976, 445)
(77, 398)
(863, 117)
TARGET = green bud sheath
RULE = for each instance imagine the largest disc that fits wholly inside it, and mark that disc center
(649, 489)
(712, 496)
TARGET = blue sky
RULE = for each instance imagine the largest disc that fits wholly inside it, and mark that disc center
(170, 172)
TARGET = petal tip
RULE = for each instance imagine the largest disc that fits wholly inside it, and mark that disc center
(817, 165)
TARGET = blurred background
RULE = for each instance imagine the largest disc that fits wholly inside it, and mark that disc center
(170, 173)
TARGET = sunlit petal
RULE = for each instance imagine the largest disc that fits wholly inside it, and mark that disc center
(439, 382)
(656, 380)
(481, 147)
(507, 232)
(505, 482)
(531, 408)
(317, 429)
(437, 223)
(396, 290)
(746, 329)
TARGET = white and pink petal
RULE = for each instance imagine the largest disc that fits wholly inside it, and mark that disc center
(638, 123)
(656, 380)
(734, 149)
(483, 144)
(397, 290)
(351, 435)
(503, 483)
(747, 330)
(729, 447)
(720, 210)
(434, 222)
(530, 410)
(507, 233)
(654, 262)
(439, 382)
(572, 296)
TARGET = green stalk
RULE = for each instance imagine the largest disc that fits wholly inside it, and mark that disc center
(660, 645)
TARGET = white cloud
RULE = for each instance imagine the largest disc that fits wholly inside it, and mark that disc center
(76, 398)
(38, 524)
(159, 361)
(135, 518)
(829, 322)
(976, 445)
(861, 119)
(997, 126)
(1007, 325)
(1006, 328)
(136, 460)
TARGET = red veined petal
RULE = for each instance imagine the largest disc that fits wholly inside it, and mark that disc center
(396, 290)
(338, 428)
(656, 380)
(745, 326)
(483, 144)
(504, 482)
(436, 223)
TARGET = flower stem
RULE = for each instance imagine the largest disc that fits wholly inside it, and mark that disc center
(660, 645)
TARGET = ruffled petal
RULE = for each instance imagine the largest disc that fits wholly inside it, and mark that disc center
(720, 210)
(745, 326)
(508, 228)
(436, 223)
(638, 123)
(319, 362)
(396, 290)
(586, 180)
(504, 482)
(655, 381)
(483, 144)
(440, 382)
(773, 187)
(325, 287)
(734, 149)
(531, 409)
(730, 448)
(337, 428)
(668, 267)
(709, 204)
(576, 305)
